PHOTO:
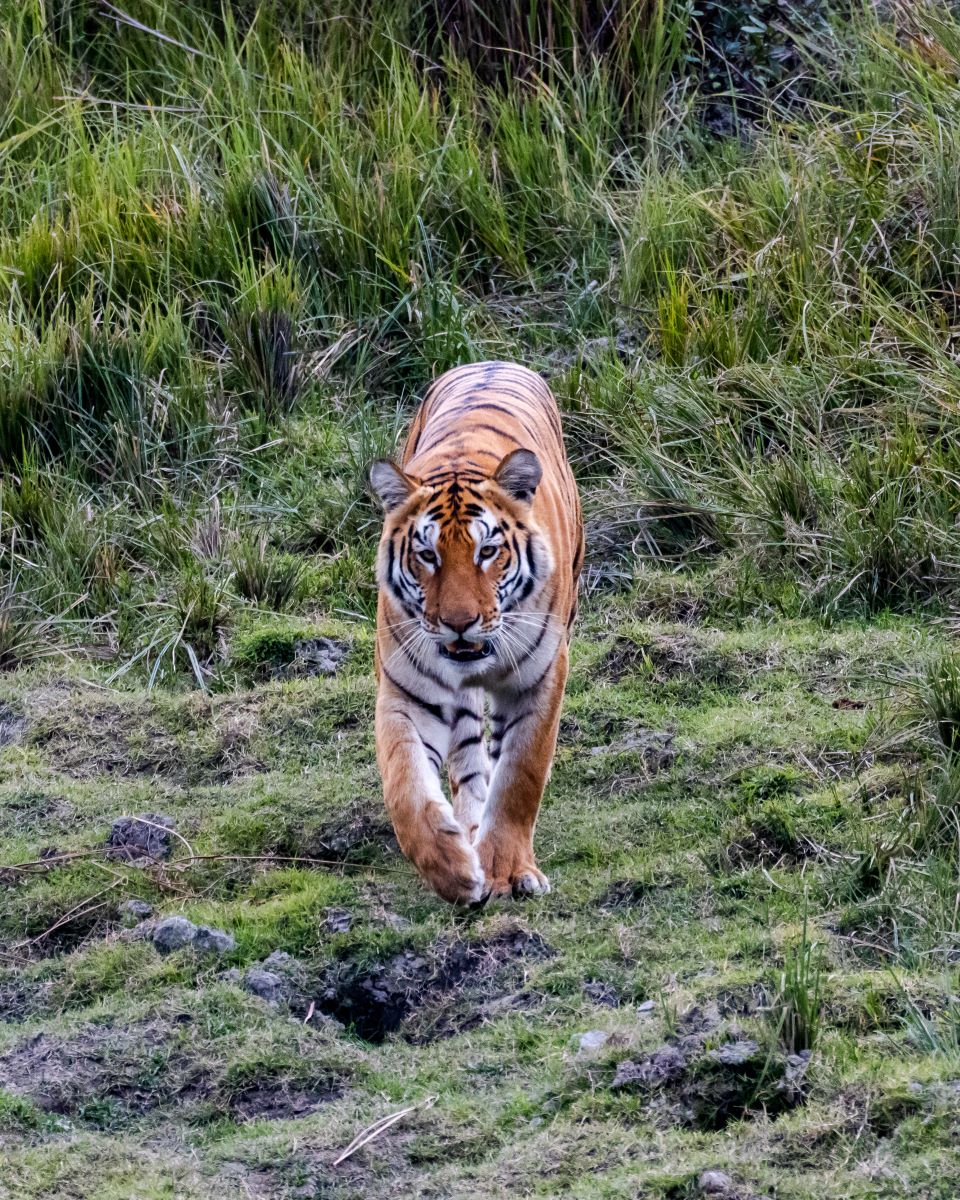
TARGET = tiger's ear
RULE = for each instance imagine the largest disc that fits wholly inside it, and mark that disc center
(518, 474)
(390, 484)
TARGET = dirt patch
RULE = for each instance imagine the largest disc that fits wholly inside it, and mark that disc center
(188, 742)
(357, 837)
(12, 725)
(654, 748)
(446, 989)
(633, 893)
(280, 1101)
(81, 1075)
(677, 657)
(690, 1085)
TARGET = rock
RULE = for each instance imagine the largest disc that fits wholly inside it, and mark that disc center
(646, 1008)
(173, 933)
(318, 656)
(268, 985)
(12, 726)
(284, 964)
(663, 1065)
(735, 1054)
(234, 976)
(600, 993)
(133, 911)
(715, 1183)
(146, 836)
(592, 1041)
(338, 920)
(655, 748)
(207, 940)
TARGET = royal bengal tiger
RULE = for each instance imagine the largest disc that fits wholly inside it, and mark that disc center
(478, 568)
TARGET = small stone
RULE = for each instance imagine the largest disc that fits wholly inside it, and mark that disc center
(592, 1041)
(715, 1183)
(318, 656)
(207, 940)
(234, 976)
(663, 1065)
(647, 1007)
(146, 836)
(173, 933)
(600, 993)
(735, 1054)
(268, 985)
(338, 920)
(133, 911)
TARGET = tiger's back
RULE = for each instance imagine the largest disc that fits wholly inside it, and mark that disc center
(478, 567)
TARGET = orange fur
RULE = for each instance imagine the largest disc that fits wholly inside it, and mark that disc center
(478, 568)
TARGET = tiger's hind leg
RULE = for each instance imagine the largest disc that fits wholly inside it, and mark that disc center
(412, 742)
(523, 740)
(468, 763)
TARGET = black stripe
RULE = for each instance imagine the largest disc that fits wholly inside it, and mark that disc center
(470, 741)
(435, 710)
(468, 778)
(461, 714)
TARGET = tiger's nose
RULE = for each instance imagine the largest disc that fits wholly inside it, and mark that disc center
(459, 622)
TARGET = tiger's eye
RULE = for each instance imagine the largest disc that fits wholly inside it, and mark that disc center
(489, 551)
(428, 557)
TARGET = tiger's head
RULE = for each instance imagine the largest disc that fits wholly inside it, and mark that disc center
(460, 557)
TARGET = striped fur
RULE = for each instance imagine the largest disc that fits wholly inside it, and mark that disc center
(478, 567)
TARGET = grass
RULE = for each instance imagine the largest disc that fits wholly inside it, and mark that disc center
(235, 244)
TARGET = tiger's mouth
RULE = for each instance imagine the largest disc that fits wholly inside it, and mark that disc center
(462, 651)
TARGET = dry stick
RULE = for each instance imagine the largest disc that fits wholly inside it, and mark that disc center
(72, 913)
(365, 1136)
(57, 859)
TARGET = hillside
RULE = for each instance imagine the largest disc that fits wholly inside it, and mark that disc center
(236, 244)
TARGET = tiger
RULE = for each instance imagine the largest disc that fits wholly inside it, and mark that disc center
(478, 568)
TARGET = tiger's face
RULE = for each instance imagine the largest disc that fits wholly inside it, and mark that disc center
(461, 558)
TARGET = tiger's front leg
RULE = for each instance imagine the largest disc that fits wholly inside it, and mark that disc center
(523, 741)
(468, 764)
(412, 742)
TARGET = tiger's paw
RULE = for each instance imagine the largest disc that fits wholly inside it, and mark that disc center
(449, 864)
(511, 874)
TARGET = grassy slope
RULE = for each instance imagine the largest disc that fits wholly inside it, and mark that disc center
(226, 271)
(150, 1061)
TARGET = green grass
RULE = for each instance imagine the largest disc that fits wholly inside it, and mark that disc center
(236, 242)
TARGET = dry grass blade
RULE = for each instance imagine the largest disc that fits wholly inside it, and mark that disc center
(380, 1127)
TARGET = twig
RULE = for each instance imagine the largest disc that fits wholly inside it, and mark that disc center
(365, 1136)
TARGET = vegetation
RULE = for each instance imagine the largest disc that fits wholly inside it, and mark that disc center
(236, 241)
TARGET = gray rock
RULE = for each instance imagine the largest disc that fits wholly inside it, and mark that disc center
(268, 985)
(735, 1054)
(133, 911)
(601, 993)
(213, 941)
(318, 656)
(663, 1065)
(338, 920)
(592, 1041)
(173, 933)
(284, 964)
(646, 1008)
(146, 836)
(715, 1183)
(234, 975)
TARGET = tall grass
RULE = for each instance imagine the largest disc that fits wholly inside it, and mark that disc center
(236, 241)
